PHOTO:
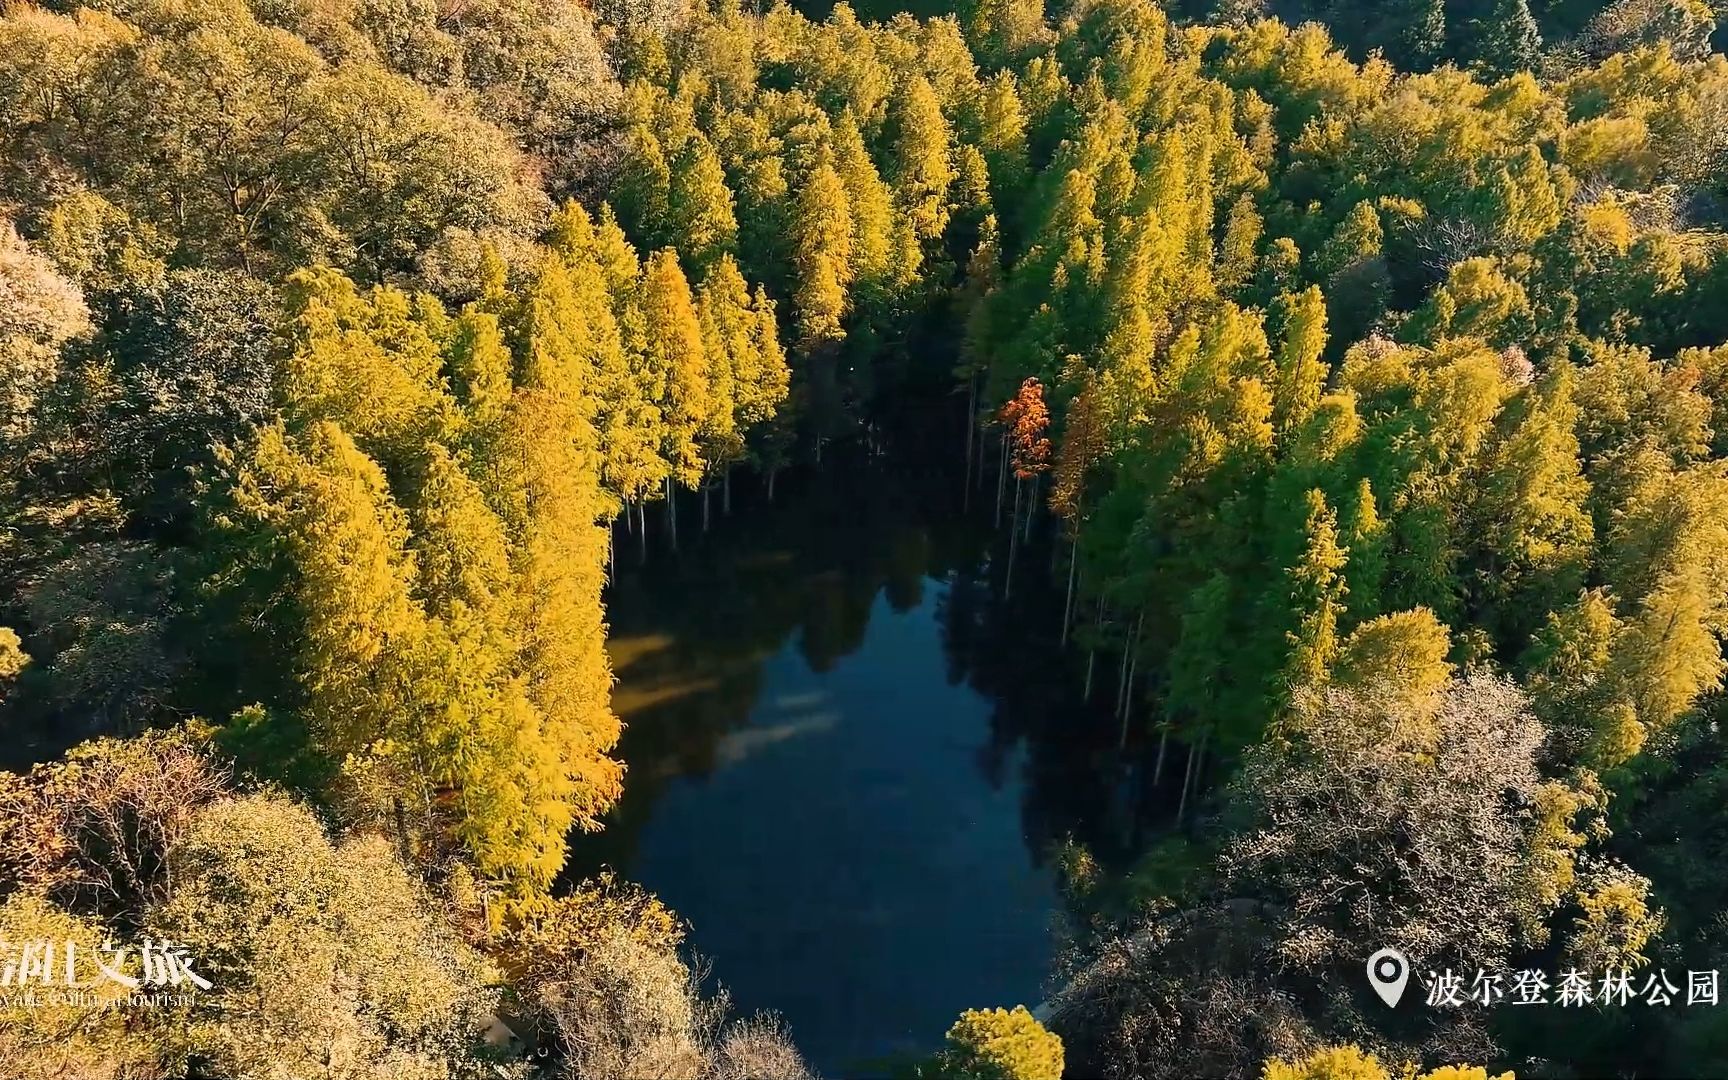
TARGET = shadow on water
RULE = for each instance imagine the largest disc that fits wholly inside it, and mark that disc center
(849, 759)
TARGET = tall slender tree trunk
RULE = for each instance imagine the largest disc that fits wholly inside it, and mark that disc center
(1127, 703)
(1031, 508)
(982, 458)
(1013, 540)
(706, 488)
(1128, 700)
(1068, 603)
(672, 513)
(642, 527)
(1134, 651)
(1122, 676)
(1163, 745)
(1001, 480)
(1092, 653)
(726, 491)
(971, 432)
(772, 473)
(1187, 777)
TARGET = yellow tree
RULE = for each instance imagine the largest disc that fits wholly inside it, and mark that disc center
(444, 565)
(923, 156)
(631, 424)
(762, 389)
(512, 793)
(603, 272)
(549, 488)
(347, 541)
(728, 338)
(996, 1044)
(871, 206)
(1350, 1063)
(747, 371)
(700, 215)
(365, 361)
(1315, 594)
(678, 370)
(763, 394)
(418, 699)
(1238, 252)
(822, 254)
(559, 556)
(479, 366)
(1301, 371)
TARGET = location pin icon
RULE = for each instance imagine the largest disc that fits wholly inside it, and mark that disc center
(1388, 972)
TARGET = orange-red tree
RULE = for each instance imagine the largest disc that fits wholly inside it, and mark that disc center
(1025, 420)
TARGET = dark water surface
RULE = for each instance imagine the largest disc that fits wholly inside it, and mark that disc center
(848, 758)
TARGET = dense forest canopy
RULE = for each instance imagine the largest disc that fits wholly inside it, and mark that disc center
(1370, 384)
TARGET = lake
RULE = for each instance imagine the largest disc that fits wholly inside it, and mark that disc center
(849, 759)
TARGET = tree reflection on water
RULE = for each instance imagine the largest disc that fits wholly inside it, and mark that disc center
(850, 759)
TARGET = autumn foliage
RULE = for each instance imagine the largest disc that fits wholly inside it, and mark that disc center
(1026, 419)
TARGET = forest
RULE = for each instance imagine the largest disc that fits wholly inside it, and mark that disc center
(1354, 378)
